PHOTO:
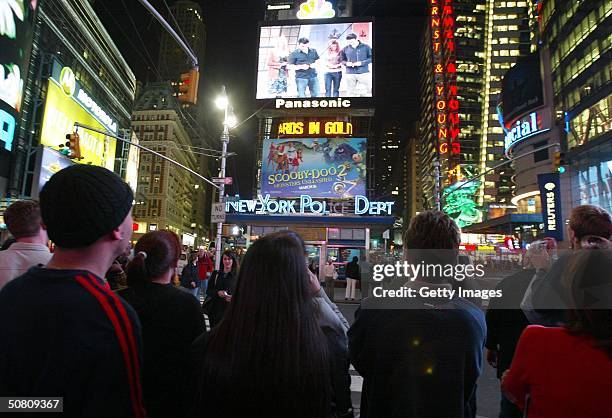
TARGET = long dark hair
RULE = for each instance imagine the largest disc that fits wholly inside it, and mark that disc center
(268, 353)
(154, 253)
(589, 284)
(235, 263)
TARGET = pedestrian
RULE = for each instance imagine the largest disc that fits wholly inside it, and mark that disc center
(545, 299)
(506, 321)
(116, 275)
(270, 353)
(171, 320)
(190, 279)
(205, 268)
(70, 335)
(330, 277)
(353, 275)
(303, 61)
(30, 248)
(420, 357)
(333, 68)
(564, 372)
(221, 288)
(366, 276)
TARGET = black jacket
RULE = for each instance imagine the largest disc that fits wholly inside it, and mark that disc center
(505, 319)
(64, 333)
(190, 274)
(215, 305)
(353, 271)
(421, 362)
(171, 320)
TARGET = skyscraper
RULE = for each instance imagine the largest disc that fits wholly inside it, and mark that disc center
(467, 46)
(187, 20)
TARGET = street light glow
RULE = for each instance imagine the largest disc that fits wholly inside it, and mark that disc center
(222, 102)
(231, 121)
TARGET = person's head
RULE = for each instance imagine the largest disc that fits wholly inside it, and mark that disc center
(155, 259)
(193, 258)
(540, 254)
(355, 259)
(303, 44)
(588, 220)
(432, 237)
(352, 40)
(24, 222)
(229, 262)
(333, 46)
(88, 209)
(270, 332)
(589, 282)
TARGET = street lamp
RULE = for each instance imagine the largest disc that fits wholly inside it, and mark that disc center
(229, 121)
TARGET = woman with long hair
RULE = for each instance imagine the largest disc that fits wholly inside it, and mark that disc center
(277, 67)
(333, 68)
(221, 288)
(269, 352)
(564, 372)
(171, 320)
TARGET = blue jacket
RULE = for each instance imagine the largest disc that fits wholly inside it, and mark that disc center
(362, 53)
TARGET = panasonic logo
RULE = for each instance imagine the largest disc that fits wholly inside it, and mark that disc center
(297, 104)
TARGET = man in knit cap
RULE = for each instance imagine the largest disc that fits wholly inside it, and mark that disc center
(63, 332)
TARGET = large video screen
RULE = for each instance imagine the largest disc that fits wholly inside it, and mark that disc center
(316, 60)
(319, 167)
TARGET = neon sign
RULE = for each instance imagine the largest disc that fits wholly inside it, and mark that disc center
(305, 204)
(316, 9)
(292, 104)
(522, 129)
(445, 69)
(315, 128)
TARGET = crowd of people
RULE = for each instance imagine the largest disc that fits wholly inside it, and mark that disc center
(278, 346)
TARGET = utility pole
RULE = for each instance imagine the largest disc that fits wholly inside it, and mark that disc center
(224, 141)
(436, 165)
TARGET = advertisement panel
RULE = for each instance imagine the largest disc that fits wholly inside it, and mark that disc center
(319, 167)
(315, 60)
(550, 196)
(16, 30)
(595, 185)
(522, 88)
(131, 171)
(48, 163)
(62, 110)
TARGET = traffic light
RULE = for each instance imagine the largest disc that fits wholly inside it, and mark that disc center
(559, 162)
(188, 87)
(74, 146)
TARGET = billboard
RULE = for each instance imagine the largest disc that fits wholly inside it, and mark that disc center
(63, 109)
(133, 159)
(550, 196)
(522, 89)
(16, 30)
(318, 167)
(48, 163)
(315, 60)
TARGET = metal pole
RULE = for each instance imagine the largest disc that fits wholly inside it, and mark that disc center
(224, 142)
(436, 165)
(172, 32)
(89, 128)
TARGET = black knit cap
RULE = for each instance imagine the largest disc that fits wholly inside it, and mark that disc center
(82, 203)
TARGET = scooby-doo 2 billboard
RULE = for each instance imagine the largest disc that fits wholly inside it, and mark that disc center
(319, 167)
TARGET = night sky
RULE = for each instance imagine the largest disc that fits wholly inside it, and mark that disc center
(231, 47)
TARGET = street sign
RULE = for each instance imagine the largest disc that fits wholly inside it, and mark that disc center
(223, 180)
(386, 234)
(217, 214)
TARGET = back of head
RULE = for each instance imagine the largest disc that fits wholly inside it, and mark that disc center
(154, 254)
(82, 203)
(269, 341)
(23, 219)
(432, 238)
(588, 220)
(589, 284)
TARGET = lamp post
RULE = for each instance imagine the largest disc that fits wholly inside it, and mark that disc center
(228, 122)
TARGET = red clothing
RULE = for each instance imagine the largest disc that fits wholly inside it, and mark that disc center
(205, 265)
(564, 374)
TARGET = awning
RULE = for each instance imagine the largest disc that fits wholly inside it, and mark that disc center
(329, 221)
(504, 224)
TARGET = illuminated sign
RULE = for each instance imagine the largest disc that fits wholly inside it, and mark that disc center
(305, 103)
(67, 81)
(460, 204)
(7, 129)
(61, 112)
(92, 106)
(316, 9)
(442, 26)
(315, 128)
(523, 128)
(133, 159)
(550, 196)
(264, 204)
